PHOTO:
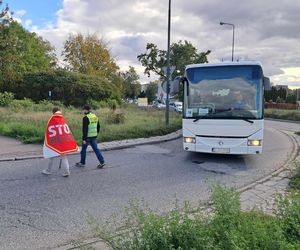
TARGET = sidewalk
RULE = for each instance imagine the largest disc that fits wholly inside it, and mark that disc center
(13, 149)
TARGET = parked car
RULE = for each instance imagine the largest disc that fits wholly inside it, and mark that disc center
(158, 105)
(176, 106)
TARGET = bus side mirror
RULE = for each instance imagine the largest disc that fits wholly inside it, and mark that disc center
(267, 83)
(183, 80)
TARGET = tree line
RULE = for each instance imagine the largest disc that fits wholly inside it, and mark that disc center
(29, 66)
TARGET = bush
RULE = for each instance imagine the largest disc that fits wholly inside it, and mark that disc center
(17, 105)
(289, 215)
(46, 105)
(112, 104)
(69, 88)
(6, 98)
(94, 104)
(295, 180)
(226, 227)
(115, 118)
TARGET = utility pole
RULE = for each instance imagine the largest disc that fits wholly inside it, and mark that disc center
(168, 67)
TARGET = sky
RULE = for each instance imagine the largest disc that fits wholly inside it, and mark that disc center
(267, 31)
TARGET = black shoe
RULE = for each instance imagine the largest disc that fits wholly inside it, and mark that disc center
(101, 165)
(79, 164)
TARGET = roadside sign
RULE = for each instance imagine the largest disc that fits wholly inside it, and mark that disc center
(165, 70)
(142, 102)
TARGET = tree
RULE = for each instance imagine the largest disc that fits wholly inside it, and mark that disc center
(21, 52)
(181, 54)
(151, 91)
(132, 87)
(89, 55)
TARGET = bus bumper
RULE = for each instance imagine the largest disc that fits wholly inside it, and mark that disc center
(238, 146)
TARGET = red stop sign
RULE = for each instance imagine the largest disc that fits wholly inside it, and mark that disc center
(59, 136)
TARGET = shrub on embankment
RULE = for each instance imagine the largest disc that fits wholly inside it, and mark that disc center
(225, 227)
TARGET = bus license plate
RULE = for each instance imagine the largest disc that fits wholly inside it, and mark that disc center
(221, 150)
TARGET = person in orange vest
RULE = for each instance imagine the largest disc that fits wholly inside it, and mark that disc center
(90, 131)
(59, 142)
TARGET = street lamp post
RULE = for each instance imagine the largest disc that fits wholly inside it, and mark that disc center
(168, 67)
(222, 23)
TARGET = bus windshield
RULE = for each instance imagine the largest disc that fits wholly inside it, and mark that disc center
(224, 92)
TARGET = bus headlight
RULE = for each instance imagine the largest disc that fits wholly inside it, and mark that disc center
(254, 142)
(189, 139)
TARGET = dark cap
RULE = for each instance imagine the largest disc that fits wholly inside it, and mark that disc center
(87, 107)
(55, 109)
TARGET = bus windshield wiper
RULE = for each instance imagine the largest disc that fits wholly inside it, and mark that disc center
(198, 118)
(247, 120)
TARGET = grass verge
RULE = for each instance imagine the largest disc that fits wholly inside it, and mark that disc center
(29, 125)
(226, 227)
(293, 115)
(295, 180)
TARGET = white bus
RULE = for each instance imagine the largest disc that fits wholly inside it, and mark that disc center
(224, 108)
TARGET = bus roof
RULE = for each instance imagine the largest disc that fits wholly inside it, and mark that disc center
(241, 63)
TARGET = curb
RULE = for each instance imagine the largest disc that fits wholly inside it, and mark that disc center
(113, 145)
(292, 157)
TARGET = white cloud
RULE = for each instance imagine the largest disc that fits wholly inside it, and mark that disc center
(19, 13)
(28, 23)
(267, 31)
(290, 76)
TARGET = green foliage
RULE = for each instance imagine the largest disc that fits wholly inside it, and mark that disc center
(293, 115)
(225, 228)
(132, 86)
(69, 88)
(291, 98)
(18, 105)
(112, 104)
(6, 98)
(181, 54)
(21, 52)
(289, 216)
(295, 180)
(132, 122)
(115, 118)
(94, 104)
(78, 245)
(89, 55)
(280, 95)
(151, 91)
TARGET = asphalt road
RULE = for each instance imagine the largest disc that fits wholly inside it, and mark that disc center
(41, 212)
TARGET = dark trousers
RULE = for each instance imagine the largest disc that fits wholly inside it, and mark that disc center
(93, 143)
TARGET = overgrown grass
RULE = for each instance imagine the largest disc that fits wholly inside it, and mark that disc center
(293, 115)
(28, 123)
(295, 180)
(225, 228)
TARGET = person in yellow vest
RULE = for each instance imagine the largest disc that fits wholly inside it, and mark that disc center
(90, 130)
